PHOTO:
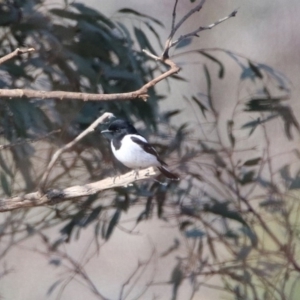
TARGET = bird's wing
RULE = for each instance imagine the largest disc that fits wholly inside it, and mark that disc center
(147, 148)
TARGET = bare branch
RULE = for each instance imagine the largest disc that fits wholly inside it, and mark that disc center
(176, 27)
(184, 18)
(55, 196)
(201, 28)
(15, 53)
(61, 95)
(171, 43)
(67, 147)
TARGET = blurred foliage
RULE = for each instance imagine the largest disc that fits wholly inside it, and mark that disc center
(229, 193)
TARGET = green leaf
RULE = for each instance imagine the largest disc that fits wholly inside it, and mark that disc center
(250, 234)
(185, 224)
(143, 40)
(295, 183)
(112, 224)
(171, 113)
(289, 120)
(285, 175)
(194, 233)
(200, 105)
(221, 209)
(54, 286)
(89, 12)
(208, 81)
(93, 216)
(5, 184)
(230, 124)
(254, 124)
(255, 70)
(177, 77)
(244, 252)
(134, 12)
(155, 34)
(177, 277)
(247, 178)
(252, 162)
(218, 62)
(184, 43)
(55, 261)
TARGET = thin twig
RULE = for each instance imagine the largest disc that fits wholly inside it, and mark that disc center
(176, 27)
(202, 28)
(188, 15)
(15, 53)
(67, 147)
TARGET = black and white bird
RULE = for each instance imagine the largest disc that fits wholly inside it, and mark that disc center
(133, 150)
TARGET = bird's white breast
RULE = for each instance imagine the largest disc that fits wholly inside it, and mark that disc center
(133, 155)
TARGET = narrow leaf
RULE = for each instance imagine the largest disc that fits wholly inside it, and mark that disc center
(255, 70)
(134, 12)
(221, 66)
(200, 105)
(113, 222)
(5, 184)
(252, 162)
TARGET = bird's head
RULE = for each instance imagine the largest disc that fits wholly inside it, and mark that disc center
(120, 126)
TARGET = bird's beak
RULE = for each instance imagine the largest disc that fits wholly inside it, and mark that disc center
(106, 131)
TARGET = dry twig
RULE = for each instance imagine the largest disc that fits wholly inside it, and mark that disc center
(15, 53)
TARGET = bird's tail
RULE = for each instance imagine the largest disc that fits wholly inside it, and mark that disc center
(168, 174)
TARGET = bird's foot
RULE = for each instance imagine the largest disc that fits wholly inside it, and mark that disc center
(136, 172)
(114, 180)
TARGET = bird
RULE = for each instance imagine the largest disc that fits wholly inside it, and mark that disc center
(133, 150)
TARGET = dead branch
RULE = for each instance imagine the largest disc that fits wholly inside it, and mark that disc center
(67, 147)
(15, 53)
(55, 196)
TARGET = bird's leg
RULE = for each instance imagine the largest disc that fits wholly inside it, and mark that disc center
(115, 177)
(136, 174)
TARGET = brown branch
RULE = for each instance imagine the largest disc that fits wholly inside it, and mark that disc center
(141, 93)
(15, 53)
(61, 95)
(55, 196)
(68, 146)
